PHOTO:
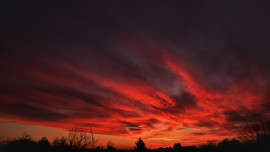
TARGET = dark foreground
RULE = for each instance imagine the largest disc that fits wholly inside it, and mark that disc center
(233, 145)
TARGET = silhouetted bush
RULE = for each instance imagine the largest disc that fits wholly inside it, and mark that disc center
(24, 143)
(110, 147)
(140, 146)
(177, 147)
(208, 147)
(60, 144)
(44, 144)
(229, 145)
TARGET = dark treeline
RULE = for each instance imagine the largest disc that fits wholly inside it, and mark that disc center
(254, 138)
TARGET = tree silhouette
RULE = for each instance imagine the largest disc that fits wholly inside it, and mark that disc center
(177, 147)
(257, 133)
(44, 141)
(110, 147)
(44, 144)
(93, 139)
(140, 146)
(229, 145)
(78, 138)
(24, 143)
(60, 142)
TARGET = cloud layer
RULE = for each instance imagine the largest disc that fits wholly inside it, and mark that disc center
(161, 71)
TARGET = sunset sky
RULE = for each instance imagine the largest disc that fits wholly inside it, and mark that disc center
(167, 71)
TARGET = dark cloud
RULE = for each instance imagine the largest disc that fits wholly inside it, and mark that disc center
(139, 124)
(243, 115)
(31, 113)
(206, 123)
(129, 124)
(198, 133)
(185, 100)
(150, 122)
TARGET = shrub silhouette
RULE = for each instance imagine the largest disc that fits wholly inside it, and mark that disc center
(140, 146)
(44, 141)
(24, 143)
(177, 147)
(110, 147)
(60, 144)
(208, 147)
(44, 144)
(229, 145)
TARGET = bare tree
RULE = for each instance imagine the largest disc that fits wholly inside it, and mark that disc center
(255, 133)
(249, 133)
(93, 139)
(78, 138)
(60, 142)
(110, 147)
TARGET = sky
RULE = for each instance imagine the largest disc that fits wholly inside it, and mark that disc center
(166, 71)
